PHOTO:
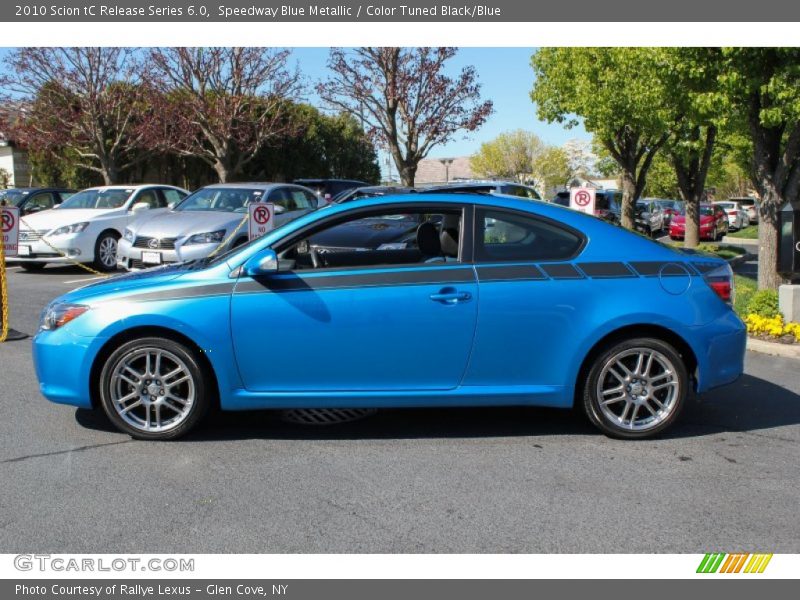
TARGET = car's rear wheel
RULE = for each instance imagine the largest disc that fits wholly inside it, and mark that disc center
(153, 389)
(635, 388)
(105, 252)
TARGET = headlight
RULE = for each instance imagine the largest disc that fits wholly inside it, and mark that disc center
(128, 235)
(210, 237)
(67, 229)
(59, 314)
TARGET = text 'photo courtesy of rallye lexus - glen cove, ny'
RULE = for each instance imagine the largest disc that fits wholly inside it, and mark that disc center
(412, 300)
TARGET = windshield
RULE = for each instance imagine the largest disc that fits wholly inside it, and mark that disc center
(12, 197)
(221, 199)
(99, 199)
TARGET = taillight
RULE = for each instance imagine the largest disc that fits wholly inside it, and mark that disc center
(734, 213)
(721, 281)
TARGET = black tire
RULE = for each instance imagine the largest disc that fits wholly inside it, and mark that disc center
(591, 402)
(33, 267)
(200, 384)
(101, 260)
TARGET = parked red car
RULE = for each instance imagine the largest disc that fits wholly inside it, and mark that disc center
(713, 223)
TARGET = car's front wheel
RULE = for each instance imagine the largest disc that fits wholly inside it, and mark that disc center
(153, 389)
(105, 252)
(635, 388)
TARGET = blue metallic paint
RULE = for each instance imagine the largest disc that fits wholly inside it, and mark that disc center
(514, 342)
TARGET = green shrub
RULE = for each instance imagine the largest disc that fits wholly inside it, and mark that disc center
(764, 303)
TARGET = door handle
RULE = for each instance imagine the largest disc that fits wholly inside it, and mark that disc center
(451, 296)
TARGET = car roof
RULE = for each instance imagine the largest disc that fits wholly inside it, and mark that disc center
(263, 185)
(131, 186)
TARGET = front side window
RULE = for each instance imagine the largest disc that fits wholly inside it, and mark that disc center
(396, 238)
(98, 199)
(172, 197)
(505, 236)
(150, 198)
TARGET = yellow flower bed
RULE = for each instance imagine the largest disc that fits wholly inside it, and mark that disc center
(771, 326)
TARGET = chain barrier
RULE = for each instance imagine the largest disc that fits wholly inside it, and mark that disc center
(3, 294)
(63, 254)
(224, 242)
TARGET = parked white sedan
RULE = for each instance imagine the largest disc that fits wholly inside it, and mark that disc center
(86, 227)
(737, 214)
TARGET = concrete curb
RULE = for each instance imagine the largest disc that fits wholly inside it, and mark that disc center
(734, 241)
(774, 348)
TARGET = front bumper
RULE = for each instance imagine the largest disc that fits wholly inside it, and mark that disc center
(131, 259)
(76, 247)
(63, 363)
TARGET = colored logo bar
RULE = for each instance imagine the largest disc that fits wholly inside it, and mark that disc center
(720, 562)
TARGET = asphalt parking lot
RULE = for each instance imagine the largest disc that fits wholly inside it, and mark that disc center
(726, 478)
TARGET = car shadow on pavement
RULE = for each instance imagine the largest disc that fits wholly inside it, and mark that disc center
(748, 405)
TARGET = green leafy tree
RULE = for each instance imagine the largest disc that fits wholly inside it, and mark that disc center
(661, 180)
(511, 155)
(618, 95)
(760, 89)
(551, 169)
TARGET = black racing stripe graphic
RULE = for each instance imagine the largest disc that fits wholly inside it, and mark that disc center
(654, 268)
(605, 269)
(197, 291)
(561, 271)
(297, 282)
(510, 273)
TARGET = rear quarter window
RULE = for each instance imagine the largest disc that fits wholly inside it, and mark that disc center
(507, 236)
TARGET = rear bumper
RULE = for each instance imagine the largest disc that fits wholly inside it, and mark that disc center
(720, 349)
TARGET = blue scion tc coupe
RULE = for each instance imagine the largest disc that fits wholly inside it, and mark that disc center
(489, 300)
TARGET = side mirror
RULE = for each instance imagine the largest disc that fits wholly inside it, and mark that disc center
(279, 209)
(263, 263)
(140, 207)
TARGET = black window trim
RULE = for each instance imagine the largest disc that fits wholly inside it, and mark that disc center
(536, 217)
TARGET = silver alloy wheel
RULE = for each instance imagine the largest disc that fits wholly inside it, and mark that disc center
(638, 388)
(152, 389)
(108, 251)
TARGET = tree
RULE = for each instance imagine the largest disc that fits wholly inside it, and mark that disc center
(552, 169)
(618, 94)
(510, 155)
(404, 99)
(90, 101)
(760, 89)
(661, 180)
(690, 77)
(222, 105)
(327, 146)
(581, 158)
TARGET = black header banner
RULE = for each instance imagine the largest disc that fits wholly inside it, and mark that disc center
(404, 11)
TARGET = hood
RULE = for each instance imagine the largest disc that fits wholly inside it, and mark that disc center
(179, 224)
(125, 283)
(58, 217)
(681, 219)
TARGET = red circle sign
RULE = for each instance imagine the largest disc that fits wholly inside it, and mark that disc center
(8, 221)
(582, 198)
(261, 215)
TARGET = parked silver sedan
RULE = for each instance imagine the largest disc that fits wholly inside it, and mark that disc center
(737, 214)
(204, 220)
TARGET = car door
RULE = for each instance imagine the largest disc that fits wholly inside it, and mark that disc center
(530, 302)
(381, 320)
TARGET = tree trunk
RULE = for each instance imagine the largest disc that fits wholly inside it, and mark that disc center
(628, 216)
(768, 239)
(110, 173)
(408, 172)
(223, 171)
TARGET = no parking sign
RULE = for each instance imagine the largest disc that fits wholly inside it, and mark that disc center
(9, 227)
(261, 218)
(582, 199)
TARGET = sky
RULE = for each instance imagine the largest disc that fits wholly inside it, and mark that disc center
(506, 78)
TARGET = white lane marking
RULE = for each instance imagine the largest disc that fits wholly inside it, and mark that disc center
(86, 279)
